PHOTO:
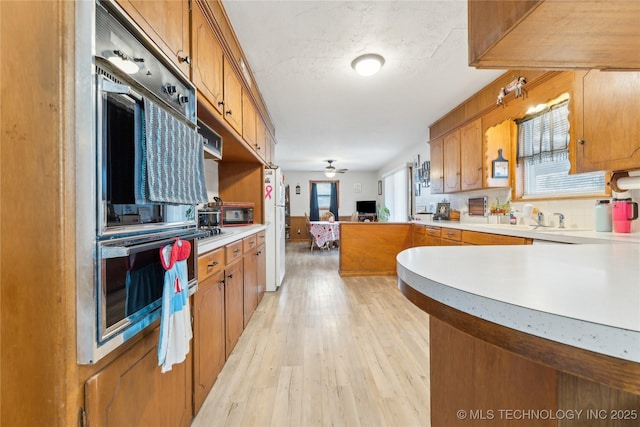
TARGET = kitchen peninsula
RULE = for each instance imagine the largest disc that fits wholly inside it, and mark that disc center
(534, 327)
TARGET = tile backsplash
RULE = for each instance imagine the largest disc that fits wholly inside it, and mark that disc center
(578, 213)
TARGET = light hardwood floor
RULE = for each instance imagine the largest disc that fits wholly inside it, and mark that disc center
(326, 351)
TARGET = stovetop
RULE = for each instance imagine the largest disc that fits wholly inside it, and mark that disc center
(210, 231)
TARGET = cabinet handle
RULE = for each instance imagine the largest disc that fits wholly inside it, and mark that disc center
(224, 282)
(213, 264)
(221, 103)
(184, 59)
(230, 276)
(229, 112)
(581, 141)
(236, 251)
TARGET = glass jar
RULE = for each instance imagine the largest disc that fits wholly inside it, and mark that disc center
(603, 215)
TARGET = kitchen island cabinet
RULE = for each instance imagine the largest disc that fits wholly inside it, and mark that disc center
(552, 328)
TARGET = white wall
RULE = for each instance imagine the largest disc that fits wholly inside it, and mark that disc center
(368, 183)
(211, 178)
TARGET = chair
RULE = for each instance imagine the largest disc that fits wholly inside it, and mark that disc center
(328, 216)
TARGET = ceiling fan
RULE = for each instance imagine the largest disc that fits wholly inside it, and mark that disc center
(331, 170)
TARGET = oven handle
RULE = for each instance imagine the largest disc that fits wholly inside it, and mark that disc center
(119, 251)
(113, 87)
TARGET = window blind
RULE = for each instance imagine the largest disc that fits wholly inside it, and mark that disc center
(544, 136)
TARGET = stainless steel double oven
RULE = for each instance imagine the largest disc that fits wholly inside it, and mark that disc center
(120, 294)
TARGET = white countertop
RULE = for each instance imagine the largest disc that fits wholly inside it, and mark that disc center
(229, 235)
(587, 296)
(549, 234)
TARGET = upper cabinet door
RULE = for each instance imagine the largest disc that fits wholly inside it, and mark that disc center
(452, 162)
(552, 34)
(471, 156)
(436, 158)
(232, 97)
(261, 139)
(248, 121)
(167, 24)
(607, 126)
(207, 61)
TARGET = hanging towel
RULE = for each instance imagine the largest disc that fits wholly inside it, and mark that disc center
(175, 318)
(174, 159)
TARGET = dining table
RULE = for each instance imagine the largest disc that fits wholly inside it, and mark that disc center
(325, 233)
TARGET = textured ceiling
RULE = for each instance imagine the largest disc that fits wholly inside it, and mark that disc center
(300, 53)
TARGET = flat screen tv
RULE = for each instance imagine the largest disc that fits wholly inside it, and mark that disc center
(366, 206)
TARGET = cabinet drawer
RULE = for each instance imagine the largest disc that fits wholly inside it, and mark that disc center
(451, 234)
(261, 238)
(477, 238)
(249, 243)
(210, 263)
(432, 231)
(233, 251)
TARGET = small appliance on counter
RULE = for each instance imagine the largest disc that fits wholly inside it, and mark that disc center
(442, 211)
(623, 212)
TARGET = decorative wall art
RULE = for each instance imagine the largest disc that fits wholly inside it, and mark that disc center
(417, 175)
(426, 173)
(500, 166)
(517, 86)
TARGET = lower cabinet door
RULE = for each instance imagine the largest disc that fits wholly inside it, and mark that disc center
(131, 390)
(208, 336)
(233, 304)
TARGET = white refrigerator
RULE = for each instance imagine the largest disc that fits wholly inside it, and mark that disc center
(274, 199)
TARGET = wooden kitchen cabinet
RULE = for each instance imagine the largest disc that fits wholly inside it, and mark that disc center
(261, 140)
(232, 97)
(262, 265)
(551, 34)
(207, 73)
(450, 237)
(607, 129)
(250, 259)
(131, 390)
(471, 156)
(489, 239)
(451, 162)
(436, 156)
(249, 132)
(233, 296)
(426, 235)
(167, 24)
(208, 325)
(499, 137)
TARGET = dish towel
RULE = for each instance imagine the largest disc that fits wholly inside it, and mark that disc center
(175, 318)
(172, 170)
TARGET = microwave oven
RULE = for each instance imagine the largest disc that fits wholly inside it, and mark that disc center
(234, 214)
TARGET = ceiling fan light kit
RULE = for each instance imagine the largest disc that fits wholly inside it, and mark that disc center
(330, 170)
(368, 64)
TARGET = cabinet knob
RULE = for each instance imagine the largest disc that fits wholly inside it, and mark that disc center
(221, 103)
(581, 141)
(230, 276)
(184, 58)
(213, 264)
(229, 112)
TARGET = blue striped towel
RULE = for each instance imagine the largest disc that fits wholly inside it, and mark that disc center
(174, 160)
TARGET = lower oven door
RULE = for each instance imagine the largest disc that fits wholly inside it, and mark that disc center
(129, 285)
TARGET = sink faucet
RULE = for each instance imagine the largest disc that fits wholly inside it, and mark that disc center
(540, 219)
(561, 219)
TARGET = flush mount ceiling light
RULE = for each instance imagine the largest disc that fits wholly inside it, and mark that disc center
(368, 64)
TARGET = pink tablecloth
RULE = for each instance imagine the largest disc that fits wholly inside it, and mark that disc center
(325, 232)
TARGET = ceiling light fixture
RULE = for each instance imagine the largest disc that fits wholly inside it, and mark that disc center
(368, 64)
(330, 171)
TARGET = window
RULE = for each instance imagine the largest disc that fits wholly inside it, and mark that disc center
(323, 197)
(397, 194)
(543, 156)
